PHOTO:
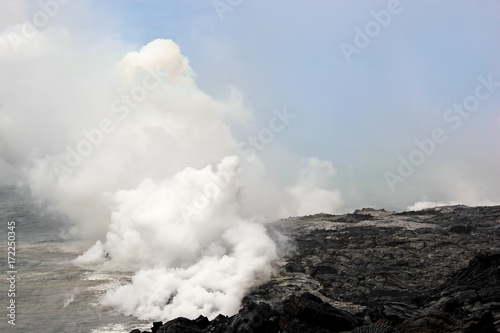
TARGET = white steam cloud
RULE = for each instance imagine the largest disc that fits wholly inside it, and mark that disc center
(191, 260)
(421, 205)
(462, 192)
(146, 165)
(309, 195)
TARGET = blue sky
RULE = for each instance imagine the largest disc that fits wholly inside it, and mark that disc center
(361, 116)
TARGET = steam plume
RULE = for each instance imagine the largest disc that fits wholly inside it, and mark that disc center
(146, 165)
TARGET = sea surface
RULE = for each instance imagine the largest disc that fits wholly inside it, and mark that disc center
(52, 294)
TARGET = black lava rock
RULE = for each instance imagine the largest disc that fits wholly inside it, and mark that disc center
(374, 271)
(308, 313)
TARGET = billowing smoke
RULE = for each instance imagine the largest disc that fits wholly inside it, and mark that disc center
(192, 259)
(147, 167)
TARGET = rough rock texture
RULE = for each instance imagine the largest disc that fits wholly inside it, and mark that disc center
(436, 270)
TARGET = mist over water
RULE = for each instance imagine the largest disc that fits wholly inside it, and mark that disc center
(146, 166)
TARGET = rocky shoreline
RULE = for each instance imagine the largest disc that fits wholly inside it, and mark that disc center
(435, 270)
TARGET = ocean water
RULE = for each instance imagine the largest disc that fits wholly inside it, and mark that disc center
(52, 294)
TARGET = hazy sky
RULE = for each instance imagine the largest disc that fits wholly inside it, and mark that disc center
(365, 80)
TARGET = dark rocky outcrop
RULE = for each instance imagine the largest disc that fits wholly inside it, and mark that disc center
(373, 271)
(307, 312)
